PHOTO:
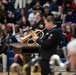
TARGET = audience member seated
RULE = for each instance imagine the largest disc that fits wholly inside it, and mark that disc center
(5, 3)
(46, 10)
(33, 16)
(17, 56)
(10, 22)
(54, 6)
(2, 17)
(18, 3)
(39, 24)
(4, 35)
(24, 24)
(3, 10)
(67, 33)
(73, 3)
(19, 14)
(67, 5)
(68, 68)
(70, 19)
(38, 7)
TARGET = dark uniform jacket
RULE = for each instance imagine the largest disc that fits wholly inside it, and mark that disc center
(49, 43)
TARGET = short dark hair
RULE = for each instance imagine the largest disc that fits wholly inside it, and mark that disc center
(50, 18)
(34, 8)
(67, 2)
(68, 10)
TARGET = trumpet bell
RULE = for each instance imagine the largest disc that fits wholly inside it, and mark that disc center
(28, 37)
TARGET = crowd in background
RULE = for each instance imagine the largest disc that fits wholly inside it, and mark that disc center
(16, 15)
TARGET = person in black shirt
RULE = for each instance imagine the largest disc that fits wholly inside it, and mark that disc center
(2, 17)
(39, 24)
(10, 22)
(4, 35)
(47, 11)
(24, 23)
(48, 44)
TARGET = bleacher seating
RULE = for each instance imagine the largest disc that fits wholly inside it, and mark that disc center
(11, 58)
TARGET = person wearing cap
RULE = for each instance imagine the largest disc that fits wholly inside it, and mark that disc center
(48, 44)
(47, 12)
(33, 16)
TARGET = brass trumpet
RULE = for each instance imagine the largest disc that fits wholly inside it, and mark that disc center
(28, 37)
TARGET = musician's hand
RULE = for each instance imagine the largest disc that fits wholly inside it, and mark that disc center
(34, 38)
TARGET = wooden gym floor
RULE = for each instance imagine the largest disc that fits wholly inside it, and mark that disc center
(38, 73)
(63, 73)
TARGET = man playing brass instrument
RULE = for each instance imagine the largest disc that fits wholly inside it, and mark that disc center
(48, 44)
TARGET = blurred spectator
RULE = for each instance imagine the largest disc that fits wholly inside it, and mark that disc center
(58, 15)
(70, 19)
(39, 24)
(20, 14)
(73, 4)
(21, 3)
(4, 35)
(5, 3)
(3, 10)
(24, 24)
(60, 2)
(33, 16)
(2, 17)
(67, 36)
(73, 37)
(46, 10)
(54, 6)
(44, 1)
(67, 33)
(55, 9)
(39, 7)
(11, 5)
(11, 20)
(67, 5)
(30, 4)
(17, 56)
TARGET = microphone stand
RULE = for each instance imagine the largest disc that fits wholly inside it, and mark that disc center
(7, 44)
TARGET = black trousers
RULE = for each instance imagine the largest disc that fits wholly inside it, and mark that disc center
(45, 68)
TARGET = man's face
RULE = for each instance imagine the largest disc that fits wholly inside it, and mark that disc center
(72, 59)
(48, 25)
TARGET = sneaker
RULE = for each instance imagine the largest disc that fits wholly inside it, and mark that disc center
(4, 70)
(13, 33)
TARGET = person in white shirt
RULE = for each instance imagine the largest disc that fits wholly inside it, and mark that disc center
(33, 16)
